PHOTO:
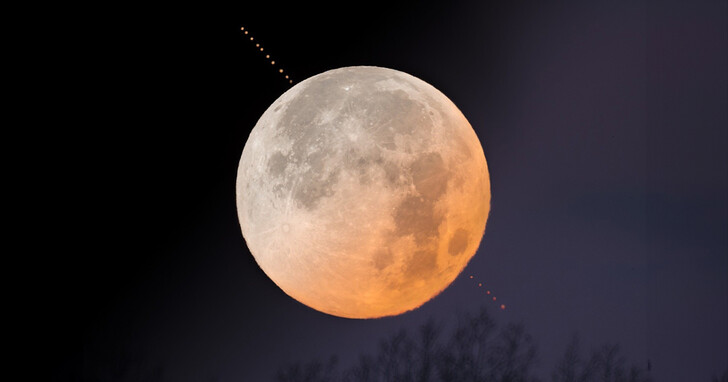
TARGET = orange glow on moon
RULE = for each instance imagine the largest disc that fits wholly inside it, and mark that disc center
(363, 192)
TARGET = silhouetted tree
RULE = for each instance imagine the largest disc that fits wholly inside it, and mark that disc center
(604, 365)
(396, 357)
(610, 367)
(429, 350)
(513, 357)
(572, 367)
(401, 358)
(567, 368)
(364, 371)
(723, 378)
(314, 371)
(466, 355)
(474, 352)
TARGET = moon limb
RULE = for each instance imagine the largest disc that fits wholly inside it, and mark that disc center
(381, 184)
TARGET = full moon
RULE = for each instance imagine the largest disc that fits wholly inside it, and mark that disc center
(363, 192)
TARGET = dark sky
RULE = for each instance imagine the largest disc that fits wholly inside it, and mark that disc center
(604, 127)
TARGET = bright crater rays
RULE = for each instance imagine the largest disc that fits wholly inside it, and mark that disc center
(363, 192)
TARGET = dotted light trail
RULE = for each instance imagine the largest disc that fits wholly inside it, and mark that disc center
(267, 56)
(487, 292)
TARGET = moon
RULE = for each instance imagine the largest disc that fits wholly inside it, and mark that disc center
(363, 192)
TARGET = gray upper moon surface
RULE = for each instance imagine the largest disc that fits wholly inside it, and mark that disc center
(363, 192)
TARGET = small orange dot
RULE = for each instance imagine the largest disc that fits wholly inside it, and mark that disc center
(286, 76)
(246, 32)
(242, 28)
(280, 70)
(257, 45)
(272, 62)
(251, 39)
(290, 81)
(480, 284)
(267, 56)
(471, 277)
(261, 49)
(487, 292)
(493, 298)
(503, 307)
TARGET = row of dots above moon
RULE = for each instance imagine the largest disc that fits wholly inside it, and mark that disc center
(246, 33)
(488, 292)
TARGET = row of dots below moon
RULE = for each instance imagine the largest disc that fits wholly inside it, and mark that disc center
(480, 285)
(267, 56)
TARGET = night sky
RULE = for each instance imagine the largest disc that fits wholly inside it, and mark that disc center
(603, 124)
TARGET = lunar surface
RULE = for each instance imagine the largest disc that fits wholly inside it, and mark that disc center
(363, 192)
